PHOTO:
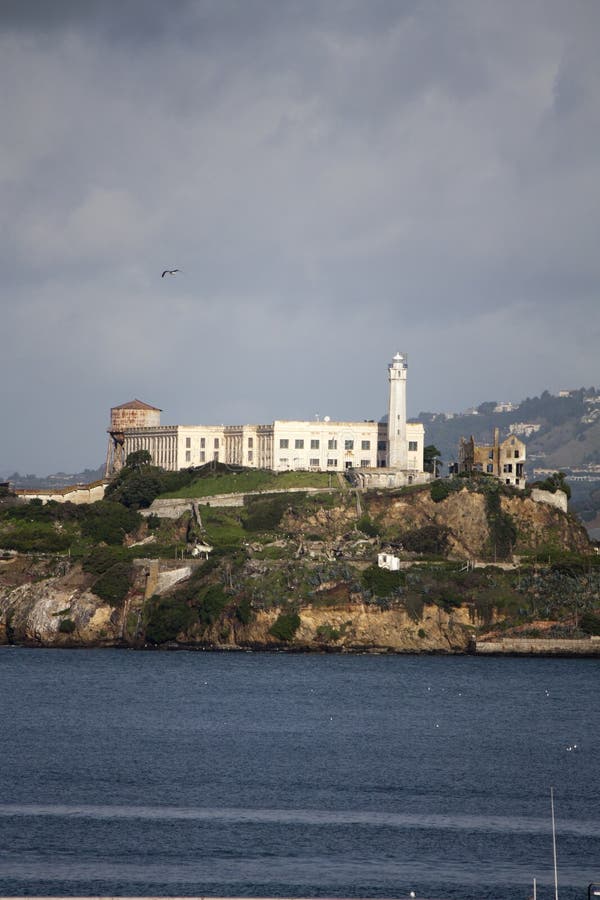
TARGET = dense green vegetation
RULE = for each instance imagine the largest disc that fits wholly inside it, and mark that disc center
(285, 626)
(503, 532)
(56, 527)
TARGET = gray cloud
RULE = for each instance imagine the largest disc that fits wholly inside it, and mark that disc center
(336, 181)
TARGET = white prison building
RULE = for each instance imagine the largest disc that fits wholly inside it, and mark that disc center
(379, 453)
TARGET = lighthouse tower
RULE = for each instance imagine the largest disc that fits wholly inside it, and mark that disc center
(397, 443)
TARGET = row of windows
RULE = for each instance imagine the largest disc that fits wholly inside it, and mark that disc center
(315, 444)
(188, 455)
(331, 462)
(188, 443)
(413, 446)
(491, 454)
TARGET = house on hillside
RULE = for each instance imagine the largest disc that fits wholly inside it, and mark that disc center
(505, 460)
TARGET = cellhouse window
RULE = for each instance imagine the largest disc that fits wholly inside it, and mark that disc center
(348, 445)
(250, 443)
(382, 445)
(284, 444)
(314, 444)
(365, 463)
(332, 444)
(413, 446)
(202, 456)
(188, 442)
(365, 445)
(299, 444)
(250, 455)
(332, 463)
(188, 455)
(203, 442)
(216, 443)
(314, 462)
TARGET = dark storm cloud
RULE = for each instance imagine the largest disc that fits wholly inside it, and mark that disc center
(336, 181)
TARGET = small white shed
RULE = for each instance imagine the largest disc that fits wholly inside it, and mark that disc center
(388, 561)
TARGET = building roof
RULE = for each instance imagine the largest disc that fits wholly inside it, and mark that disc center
(137, 404)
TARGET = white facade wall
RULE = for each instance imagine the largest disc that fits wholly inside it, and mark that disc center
(324, 446)
(200, 444)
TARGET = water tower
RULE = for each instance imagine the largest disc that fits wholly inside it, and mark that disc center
(134, 414)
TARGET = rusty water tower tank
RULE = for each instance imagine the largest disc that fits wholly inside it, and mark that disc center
(135, 414)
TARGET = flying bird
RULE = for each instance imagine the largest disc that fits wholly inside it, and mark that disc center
(169, 272)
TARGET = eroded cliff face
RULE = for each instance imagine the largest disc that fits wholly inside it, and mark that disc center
(358, 627)
(49, 604)
(464, 513)
(34, 614)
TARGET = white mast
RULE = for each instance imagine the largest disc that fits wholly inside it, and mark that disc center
(554, 845)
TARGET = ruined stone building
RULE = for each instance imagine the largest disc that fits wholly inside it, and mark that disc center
(505, 460)
(385, 453)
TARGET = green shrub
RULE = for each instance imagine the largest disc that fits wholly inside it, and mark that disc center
(439, 490)
(328, 633)
(167, 618)
(114, 584)
(422, 633)
(36, 538)
(135, 488)
(555, 482)
(413, 605)
(264, 514)
(448, 601)
(211, 604)
(367, 526)
(108, 522)
(382, 582)
(101, 559)
(243, 611)
(431, 539)
(590, 623)
(503, 532)
(66, 626)
(285, 626)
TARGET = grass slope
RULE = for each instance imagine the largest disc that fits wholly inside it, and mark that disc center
(249, 481)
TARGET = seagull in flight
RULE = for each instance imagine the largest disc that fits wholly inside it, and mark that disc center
(169, 272)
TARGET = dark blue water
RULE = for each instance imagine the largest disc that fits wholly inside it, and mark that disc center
(125, 773)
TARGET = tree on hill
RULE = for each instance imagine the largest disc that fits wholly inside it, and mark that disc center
(138, 458)
(431, 459)
(553, 483)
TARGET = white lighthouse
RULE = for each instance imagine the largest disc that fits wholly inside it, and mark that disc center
(397, 441)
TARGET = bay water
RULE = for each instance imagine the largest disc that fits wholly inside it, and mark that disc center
(274, 774)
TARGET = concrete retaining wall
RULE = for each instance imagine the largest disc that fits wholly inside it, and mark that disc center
(173, 509)
(77, 493)
(539, 647)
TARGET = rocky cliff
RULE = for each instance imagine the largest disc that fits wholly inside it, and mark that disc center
(314, 585)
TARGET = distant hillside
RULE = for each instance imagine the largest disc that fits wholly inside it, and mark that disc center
(560, 433)
(58, 480)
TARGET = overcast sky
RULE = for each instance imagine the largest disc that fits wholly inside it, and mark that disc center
(336, 180)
